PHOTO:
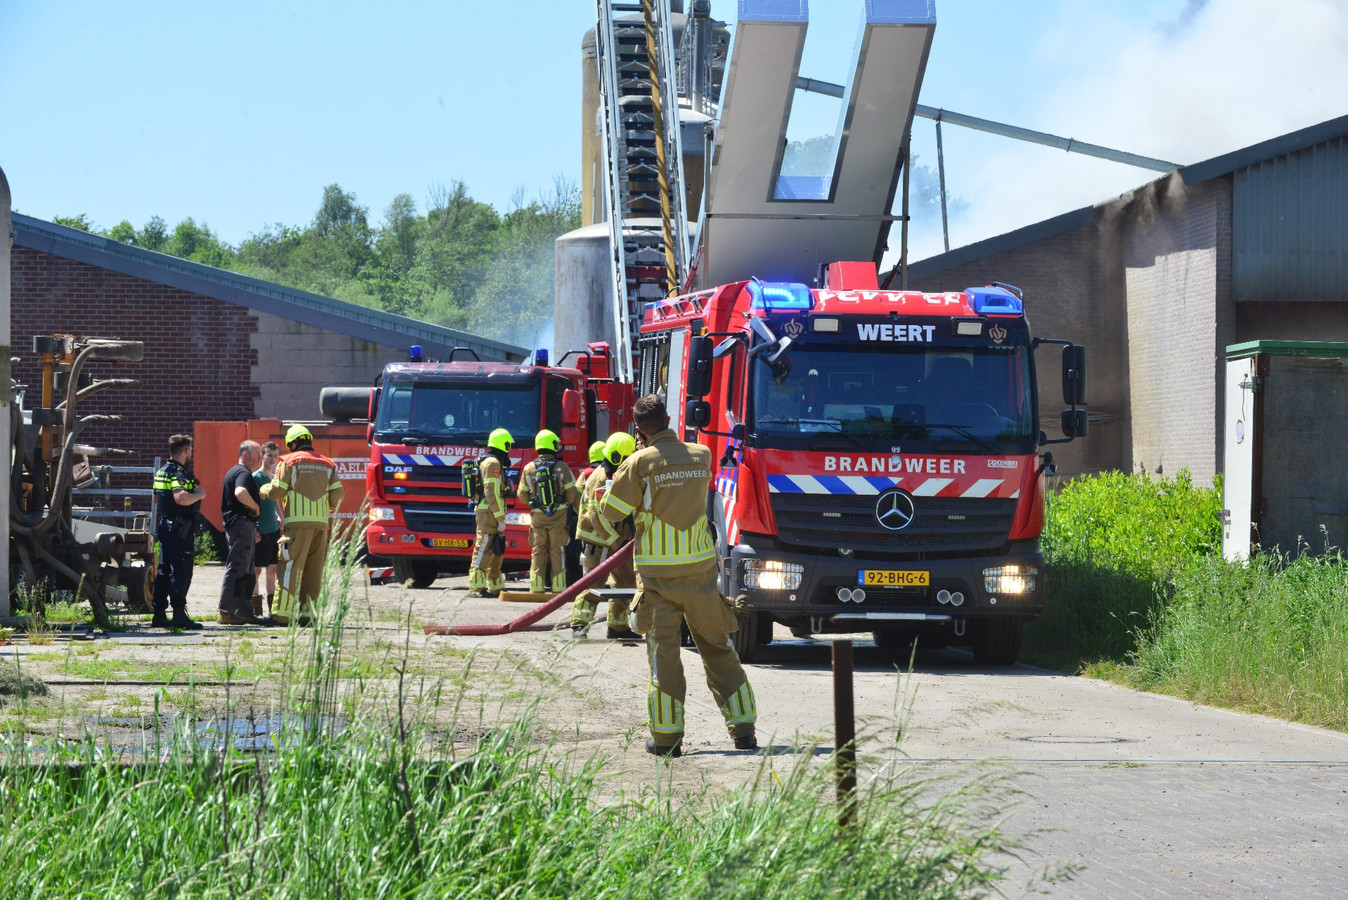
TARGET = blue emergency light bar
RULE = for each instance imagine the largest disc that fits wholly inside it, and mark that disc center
(541, 356)
(414, 353)
(772, 295)
(994, 301)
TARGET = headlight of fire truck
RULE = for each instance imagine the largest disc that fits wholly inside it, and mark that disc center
(517, 518)
(1010, 579)
(381, 514)
(771, 575)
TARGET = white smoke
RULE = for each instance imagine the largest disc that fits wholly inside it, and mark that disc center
(1222, 75)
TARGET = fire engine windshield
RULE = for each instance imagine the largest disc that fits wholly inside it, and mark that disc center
(926, 398)
(454, 412)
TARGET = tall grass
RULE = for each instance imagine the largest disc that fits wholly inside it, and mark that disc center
(1112, 544)
(1268, 636)
(352, 804)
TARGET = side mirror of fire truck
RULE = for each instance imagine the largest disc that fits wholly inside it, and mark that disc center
(699, 367)
(1074, 423)
(697, 414)
(1073, 375)
(570, 416)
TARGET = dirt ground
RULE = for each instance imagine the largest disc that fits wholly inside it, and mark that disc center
(1151, 795)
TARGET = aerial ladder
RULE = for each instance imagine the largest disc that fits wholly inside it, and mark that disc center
(643, 168)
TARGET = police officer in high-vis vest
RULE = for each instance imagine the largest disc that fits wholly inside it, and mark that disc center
(306, 486)
(484, 577)
(178, 496)
(600, 537)
(548, 488)
(664, 487)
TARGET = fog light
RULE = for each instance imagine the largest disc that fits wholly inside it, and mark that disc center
(943, 596)
(518, 518)
(845, 594)
(1011, 579)
(772, 575)
(381, 514)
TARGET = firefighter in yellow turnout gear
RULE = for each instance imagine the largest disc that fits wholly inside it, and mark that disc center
(664, 486)
(484, 577)
(547, 487)
(306, 486)
(600, 537)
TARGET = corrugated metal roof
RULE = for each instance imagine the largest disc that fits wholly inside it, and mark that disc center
(254, 293)
(1289, 221)
(1265, 150)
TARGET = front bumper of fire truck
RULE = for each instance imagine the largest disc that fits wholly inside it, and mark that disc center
(389, 534)
(855, 593)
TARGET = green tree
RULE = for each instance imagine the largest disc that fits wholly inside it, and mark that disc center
(80, 222)
(123, 231)
(515, 300)
(199, 244)
(154, 236)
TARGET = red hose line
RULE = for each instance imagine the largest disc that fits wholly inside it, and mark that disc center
(587, 581)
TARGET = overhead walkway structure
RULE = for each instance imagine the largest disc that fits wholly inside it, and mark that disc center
(757, 222)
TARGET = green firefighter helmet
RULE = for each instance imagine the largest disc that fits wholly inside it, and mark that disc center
(298, 433)
(547, 440)
(500, 439)
(597, 452)
(619, 446)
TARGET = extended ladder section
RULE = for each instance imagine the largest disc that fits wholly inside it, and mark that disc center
(643, 181)
(758, 222)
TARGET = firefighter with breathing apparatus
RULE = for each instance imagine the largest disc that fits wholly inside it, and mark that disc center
(486, 484)
(548, 488)
(599, 537)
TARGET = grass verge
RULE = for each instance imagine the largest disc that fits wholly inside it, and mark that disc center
(346, 802)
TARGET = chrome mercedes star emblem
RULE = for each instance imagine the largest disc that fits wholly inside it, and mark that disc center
(894, 510)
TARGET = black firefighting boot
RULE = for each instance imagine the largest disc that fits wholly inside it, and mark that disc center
(182, 621)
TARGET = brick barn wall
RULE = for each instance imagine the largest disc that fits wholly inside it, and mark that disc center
(205, 359)
(1073, 291)
(1176, 323)
(198, 356)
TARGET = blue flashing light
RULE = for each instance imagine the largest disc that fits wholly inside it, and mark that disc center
(541, 356)
(772, 295)
(414, 353)
(995, 301)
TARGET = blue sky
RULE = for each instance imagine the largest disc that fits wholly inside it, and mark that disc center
(239, 114)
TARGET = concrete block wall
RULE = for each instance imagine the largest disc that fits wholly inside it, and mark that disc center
(1072, 291)
(295, 361)
(1176, 322)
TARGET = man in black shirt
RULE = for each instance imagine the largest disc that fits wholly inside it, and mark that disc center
(239, 509)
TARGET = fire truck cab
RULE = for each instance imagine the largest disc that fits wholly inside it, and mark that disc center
(427, 417)
(879, 453)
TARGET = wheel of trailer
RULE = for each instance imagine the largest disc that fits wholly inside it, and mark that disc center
(996, 642)
(139, 581)
(419, 573)
(746, 637)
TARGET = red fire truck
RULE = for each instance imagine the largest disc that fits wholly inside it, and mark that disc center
(426, 417)
(879, 453)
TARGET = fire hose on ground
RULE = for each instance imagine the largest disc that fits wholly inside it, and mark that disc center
(587, 581)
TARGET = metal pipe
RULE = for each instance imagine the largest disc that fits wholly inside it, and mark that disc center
(940, 170)
(1070, 145)
(587, 581)
(845, 733)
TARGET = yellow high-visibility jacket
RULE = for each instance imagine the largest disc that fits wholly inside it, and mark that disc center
(664, 487)
(306, 486)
